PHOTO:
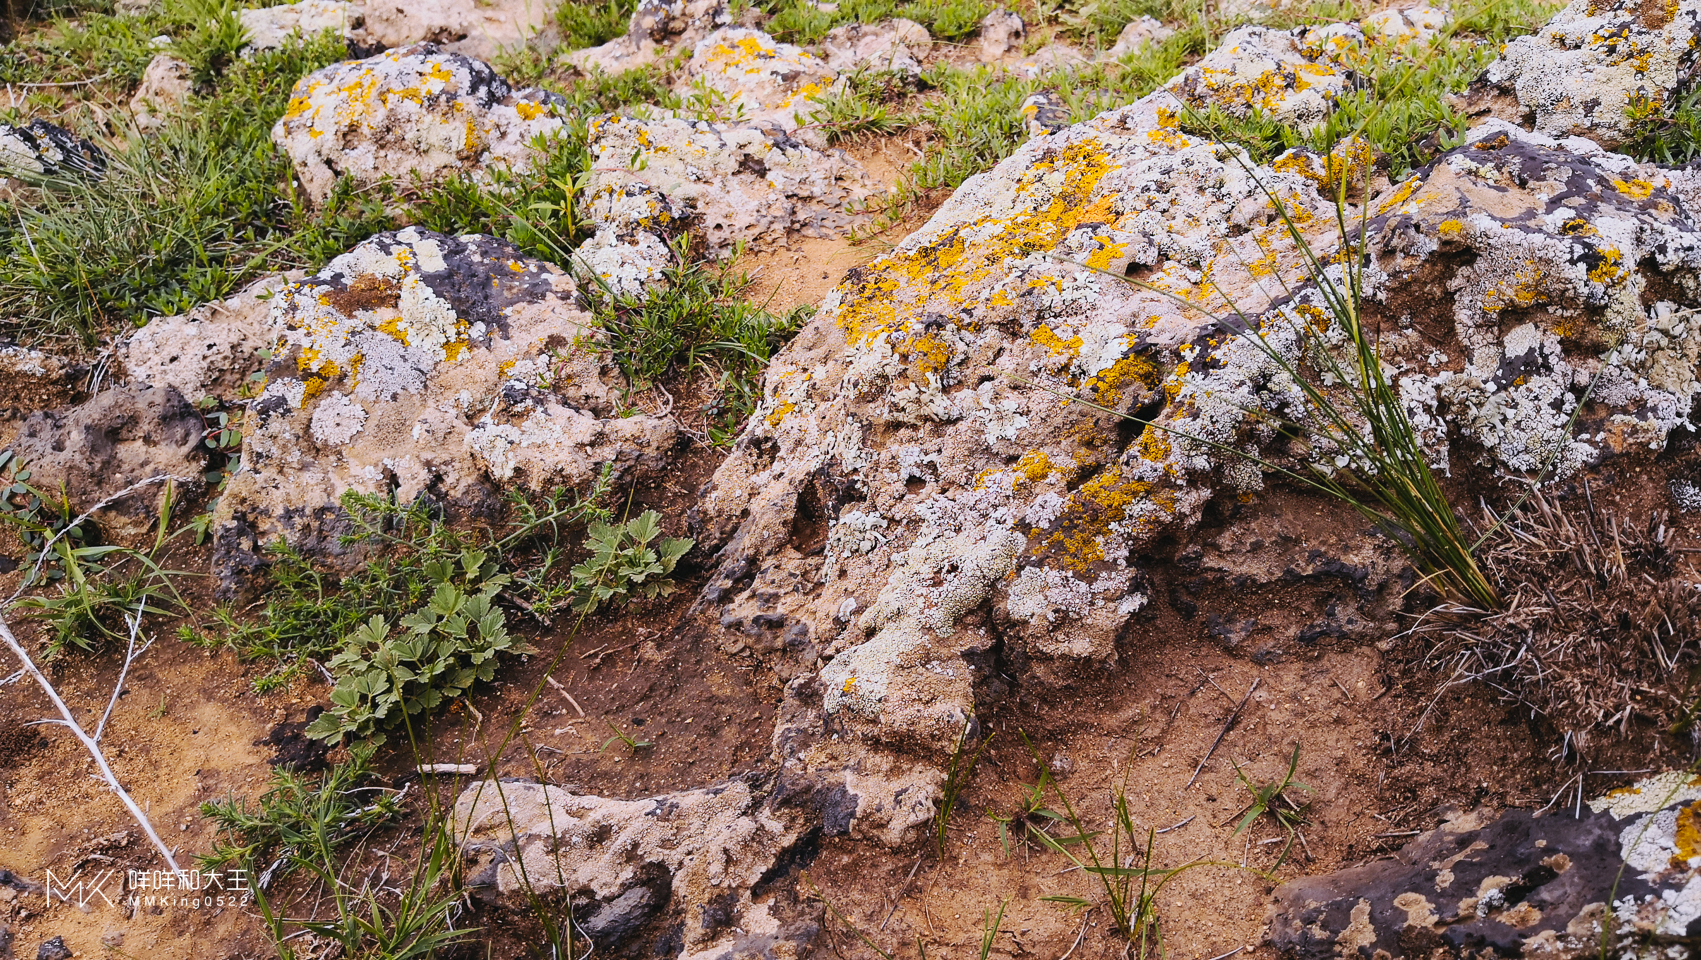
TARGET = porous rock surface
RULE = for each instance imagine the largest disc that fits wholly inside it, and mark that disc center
(1623, 879)
(692, 860)
(478, 28)
(209, 351)
(410, 112)
(1596, 59)
(166, 85)
(118, 438)
(424, 365)
(891, 46)
(269, 28)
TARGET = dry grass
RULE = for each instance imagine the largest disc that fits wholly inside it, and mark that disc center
(1601, 628)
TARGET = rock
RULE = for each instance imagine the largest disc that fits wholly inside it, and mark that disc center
(6, 939)
(1583, 72)
(1049, 59)
(165, 86)
(481, 29)
(692, 856)
(1137, 35)
(1245, 11)
(724, 183)
(423, 365)
(894, 46)
(764, 82)
(209, 351)
(1574, 252)
(268, 28)
(1402, 25)
(1001, 34)
(657, 27)
(414, 111)
(54, 949)
(32, 380)
(1044, 112)
(1291, 76)
(120, 437)
(911, 459)
(43, 149)
(1516, 885)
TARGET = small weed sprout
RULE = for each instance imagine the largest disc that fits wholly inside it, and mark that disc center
(627, 560)
(957, 774)
(1031, 815)
(620, 736)
(1272, 799)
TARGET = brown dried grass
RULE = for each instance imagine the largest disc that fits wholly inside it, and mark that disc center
(1601, 628)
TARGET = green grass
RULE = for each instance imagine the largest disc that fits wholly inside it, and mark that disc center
(698, 323)
(801, 21)
(593, 23)
(181, 218)
(1402, 108)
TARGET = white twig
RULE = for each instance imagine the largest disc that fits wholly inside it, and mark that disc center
(89, 744)
(67, 719)
(130, 655)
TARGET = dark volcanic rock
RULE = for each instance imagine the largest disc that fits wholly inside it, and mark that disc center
(1517, 885)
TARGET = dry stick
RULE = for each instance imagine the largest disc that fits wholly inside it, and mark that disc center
(89, 744)
(130, 655)
(69, 720)
(898, 901)
(1226, 727)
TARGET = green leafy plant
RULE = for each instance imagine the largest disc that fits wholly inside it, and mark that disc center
(1272, 799)
(627, 560)
(440, 651)
(1031, 814)
(306, 826)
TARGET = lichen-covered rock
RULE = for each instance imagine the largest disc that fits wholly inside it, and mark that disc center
(656, 28)
(1289, 75)
(726, 183)
(410, 112)
(893, 46)
(916, 462)
(165, 86)
(1044, 112)
(1623, 879)
(1573, 263)
(268, 28)
(688, 860)
(210, 351)
(1595, 60)
(424, 365)
(764, 82)
(1403, 25)
(43, 149)
(1001, 33)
